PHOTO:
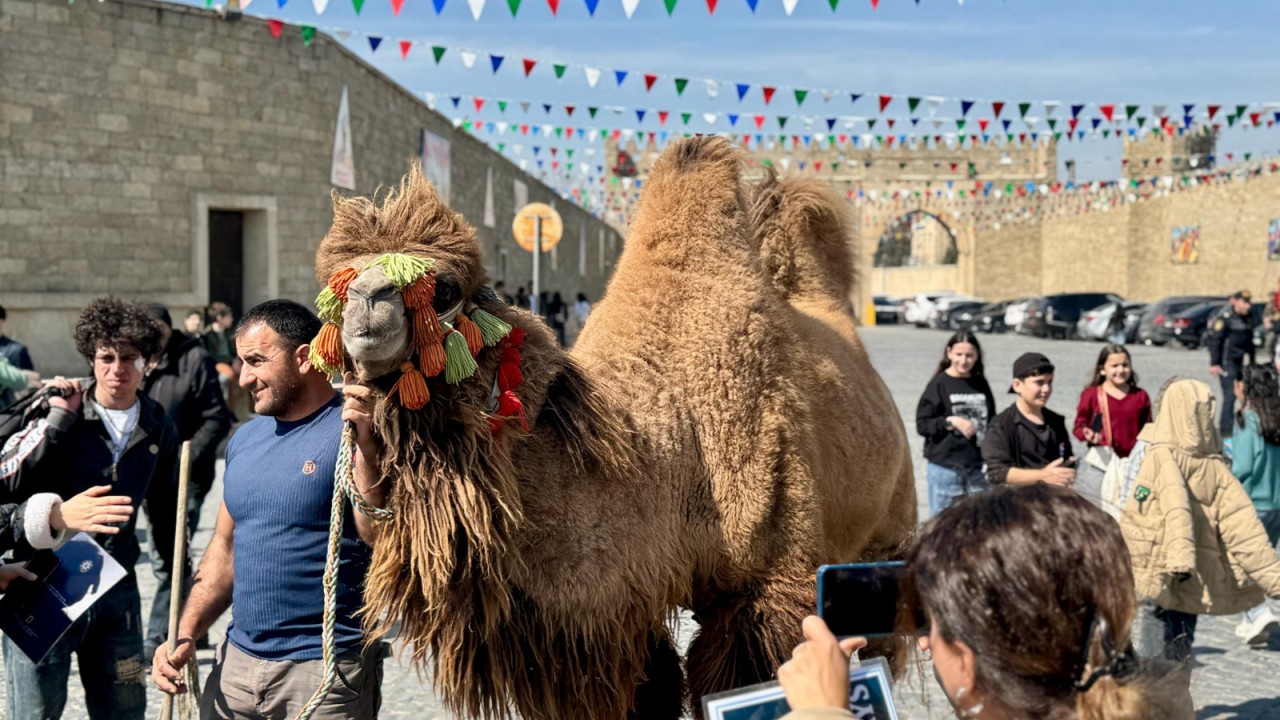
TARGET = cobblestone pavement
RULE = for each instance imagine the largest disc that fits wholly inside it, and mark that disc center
(1230, 681)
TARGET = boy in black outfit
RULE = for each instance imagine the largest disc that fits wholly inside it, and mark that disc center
(1029, 443)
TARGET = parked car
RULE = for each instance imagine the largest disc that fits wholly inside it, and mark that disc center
(919, 309)
(888, 309)
(943, 306)
(1151, 329)
(1190, 328)
(1057, 315)
(950, 317)
(988, 319)
(1094, 324)
(1016, 313)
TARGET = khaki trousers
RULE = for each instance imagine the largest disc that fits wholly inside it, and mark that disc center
(242, 687)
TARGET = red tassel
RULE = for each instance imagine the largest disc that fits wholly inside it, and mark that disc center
(411, 387)
(509, 376)
(328, 345)
(431, 358)
(426, 328)
(341, 280)
(509, 406)
(471, 332)
(421, 293)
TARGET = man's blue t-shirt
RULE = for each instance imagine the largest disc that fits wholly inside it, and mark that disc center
(278, 488)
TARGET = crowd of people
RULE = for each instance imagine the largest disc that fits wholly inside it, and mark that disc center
(566, 320)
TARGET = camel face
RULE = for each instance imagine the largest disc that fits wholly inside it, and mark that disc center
(375, 329)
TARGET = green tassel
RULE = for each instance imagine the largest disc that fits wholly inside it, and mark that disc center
(403, 270)
(329, 306)
(458, 363)
(491, 328)
(319, 364)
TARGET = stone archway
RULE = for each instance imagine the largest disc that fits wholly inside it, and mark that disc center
(915, 238)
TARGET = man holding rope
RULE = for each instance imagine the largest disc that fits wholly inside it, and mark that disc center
(267, 554)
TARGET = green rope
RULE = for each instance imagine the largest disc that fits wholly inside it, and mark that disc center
(403, 270)
(492, 329)
(458, 363)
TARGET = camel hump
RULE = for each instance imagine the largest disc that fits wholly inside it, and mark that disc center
(695, 184)
(805, 232)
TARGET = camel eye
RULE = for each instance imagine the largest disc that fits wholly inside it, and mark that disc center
(447, 293)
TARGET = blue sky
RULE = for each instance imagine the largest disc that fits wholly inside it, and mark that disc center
(1072, 51)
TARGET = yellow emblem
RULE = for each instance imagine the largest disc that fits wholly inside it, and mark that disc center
(1217, 326)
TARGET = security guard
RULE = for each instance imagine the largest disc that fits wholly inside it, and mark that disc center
(1230, 340)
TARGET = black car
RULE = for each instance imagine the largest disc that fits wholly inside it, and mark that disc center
(949, 319)
(888, 309)
(1191, 326)
(988, 318)
(1056, 315)
(1156, 325)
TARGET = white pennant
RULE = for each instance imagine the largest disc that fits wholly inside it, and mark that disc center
(457, 122)
(785, 162)
(713, 89)
(591, 152)
(477, 7)
(320, 5)
(244, 4)
(524, 106)
(934, 102)
(342, 34)
(1050, 106)
(827, 95)
(468, 58)
(1159, 110)
(518, 148)
(593, 75)
(431, 100)
(502, 127)
(937, 124)
(710, 117)
(629, 7)
(546, 130)
(789, 6)
(524, 163)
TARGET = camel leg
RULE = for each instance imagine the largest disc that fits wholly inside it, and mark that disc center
(660, 695)
(743, 639)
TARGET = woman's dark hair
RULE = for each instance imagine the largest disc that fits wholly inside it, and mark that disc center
(294, 323)
(1262, 395)
(582, 297)
(1107, 352)
(217, 310)
(111, 322)
(1038, 583)
(963, 336)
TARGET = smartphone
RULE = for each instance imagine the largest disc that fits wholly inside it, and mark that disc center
(863, 599)
(41, 564)
(1097, 423)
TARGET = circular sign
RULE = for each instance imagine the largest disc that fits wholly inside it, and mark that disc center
(524, 226)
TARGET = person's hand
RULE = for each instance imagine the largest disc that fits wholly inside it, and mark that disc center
(166, 670)
(11, 571)
(357, 408)
(1056, 473)
(1216, 371)
(817, 675)
(92, 511)
(1091, 437)
(33, 380)
(964, 425)
(70, 398)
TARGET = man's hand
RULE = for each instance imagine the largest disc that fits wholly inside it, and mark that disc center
(70, 398)
(166, 671)
(92, 511)
(357, 408)
(1056, 474)
(817, 675)
(11, 571)
(964, 425)
(1216, 371)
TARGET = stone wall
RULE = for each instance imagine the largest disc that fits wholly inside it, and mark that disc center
(123, 123)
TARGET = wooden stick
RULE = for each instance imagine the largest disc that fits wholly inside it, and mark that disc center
(178, 567)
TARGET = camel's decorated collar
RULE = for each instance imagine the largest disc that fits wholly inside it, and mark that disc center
(447, 343)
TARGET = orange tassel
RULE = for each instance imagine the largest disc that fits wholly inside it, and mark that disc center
(471, 332)
(340, 280)
(421, 293)
(328, 345)
(411, 387)
(431, 358)
(426, 328)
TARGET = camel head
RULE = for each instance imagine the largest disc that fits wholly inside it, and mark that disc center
(404, 294)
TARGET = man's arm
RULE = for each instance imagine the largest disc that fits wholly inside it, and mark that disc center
(357, 408)
(210, 597)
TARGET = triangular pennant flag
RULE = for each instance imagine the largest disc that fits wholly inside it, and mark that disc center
(455, 99)
(752, 4)
(713, 89)
(502, 106)
(593, 4)
(1023, 107)
(528, 66)
(479, 102)
(759, 120)
(1075, 110)
(742, 90)
(546, 108)
(1255, 118)
(831, 124)
(592, 111)
(671, 6)
(374, 42)
(768, 93)
(1159, 110)
(833, 3)
(568, 110)
(982, 123)
(620, 75)
(1006, 123)
(733, 119)
(639, 116)
(680, 85)
(1240, 110)
(438, 52)
(629, 7)
(996, 107)
(524, 106)
(308, 33)
(358, 5)
(439, 5)
(1107, 111)
(275, 26)
(649, 80)
(800, 96)
(320, 6)
(404, 48)
(1213, 110)
(1187, 108)
(1095, 122)
(477, 7)
(496, 62)
(662, 117)
(711, 7)
(782, 121)
(884, 101)
(592, 74)
(468, 58)
(912, 103)
(853, 98)
(1050, 106)
(965, 105)
(789, 6)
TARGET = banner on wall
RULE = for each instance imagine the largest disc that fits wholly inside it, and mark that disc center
(1186, 245)
(490, 217)
(342, 172)
(436, 163)
(1273, 239)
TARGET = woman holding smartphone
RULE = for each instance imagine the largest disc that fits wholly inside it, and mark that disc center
(983, 573)
(952, 416)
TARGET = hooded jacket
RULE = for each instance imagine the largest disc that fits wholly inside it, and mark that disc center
(1187, 516)
(185, 383)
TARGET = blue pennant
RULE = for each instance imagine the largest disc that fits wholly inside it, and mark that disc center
(620, 75)
(752, 4)
(439, 4)
(591, 7)
(374, 42)
(456, 99)
(639, 116)
(1075, 110)
(964, 107)
(733, 119)
(496, 61)
(853, 97)
(831, 124)
(742, 90)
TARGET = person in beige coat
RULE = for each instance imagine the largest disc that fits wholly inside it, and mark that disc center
(1195, 540)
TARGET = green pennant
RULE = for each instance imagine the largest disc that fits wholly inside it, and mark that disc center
(834, 3)
(1053, 123)
(685, 117)
(502, 106)
(879, 139)
(767, 162)
(1057, 136)
(502, 147)
(438, 52)
(308, 33)
(912, 103)
(570, 166)
(835, 167)
(671, 6)
(1240, 111)
(680, 85)
(831, 142)
(962, 194)
(1023, 107)
(961, 137)
(466, 125)
(1231, 120)
(592, 111)
(357, 4)
(514, 5)
(1009, 138)
(1248, 156)
(959, 124)
(782, 121)
(569, 152)
(1106, 134)
(1141, 121)
(800, 96)
(1130, 111)
(559, 130)
(559, 68)
(604, 134)
(871, 124)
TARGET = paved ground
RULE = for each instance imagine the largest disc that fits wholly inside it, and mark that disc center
(1230, 681)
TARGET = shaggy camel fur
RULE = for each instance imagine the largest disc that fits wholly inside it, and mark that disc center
(716, 434)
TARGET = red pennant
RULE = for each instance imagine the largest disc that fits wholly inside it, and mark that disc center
(524, 129)
(404, 48)
(759, 122)
(1107, 111)
(1230, 157)
(984, 122)
(996, 107)
(568, 109)
(276, 27)
(817, 165)
(1256, 118)
(746, 140)
(889, 141)
(555, 6)
(1213, 110)
(711, 7)
(1022, 138)
(555, 165)
(795, 141)
(395, 6)
(649, 80)
(884, 101)
(954, 166)
(479, 101)
(528, 66)
(1072, 123)
(891, 121)
(844, 139)
(553, 152)
(875, 4)
(662, 117)
(768, 94)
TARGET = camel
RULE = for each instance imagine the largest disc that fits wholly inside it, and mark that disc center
(715, 435)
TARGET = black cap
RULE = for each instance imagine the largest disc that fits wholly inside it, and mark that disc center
(156, 311)
(1029, 364)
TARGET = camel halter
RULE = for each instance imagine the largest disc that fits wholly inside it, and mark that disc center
(447, 343)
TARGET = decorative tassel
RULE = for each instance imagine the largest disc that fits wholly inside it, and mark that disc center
(509, 406)
(411, 387)
(402, 270)
(475, 341)
(421, 293)
(486, 294)
(329, 305)
(459, 364)
(341, 280)
(492, 329)
(426, 328)
(432, 359)
(326, 350)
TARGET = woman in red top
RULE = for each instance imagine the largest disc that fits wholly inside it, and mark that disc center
(1111, 413)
